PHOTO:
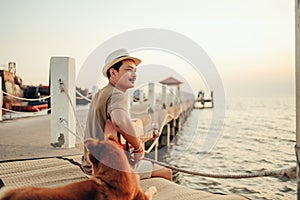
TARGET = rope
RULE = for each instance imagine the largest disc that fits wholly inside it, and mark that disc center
(83, 97)
(279, 172)
(72, 161)
(24, 99)
(73, 133)
(63, 89)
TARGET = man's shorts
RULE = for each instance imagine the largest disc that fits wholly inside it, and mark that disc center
(144, 169)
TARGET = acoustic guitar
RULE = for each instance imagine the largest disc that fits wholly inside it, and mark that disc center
(151, 135)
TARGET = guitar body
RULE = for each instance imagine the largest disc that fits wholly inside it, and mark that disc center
(139, 130)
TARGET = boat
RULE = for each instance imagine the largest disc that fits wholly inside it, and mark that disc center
(15, 92)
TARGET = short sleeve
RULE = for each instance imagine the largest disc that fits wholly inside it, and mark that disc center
(118, 100)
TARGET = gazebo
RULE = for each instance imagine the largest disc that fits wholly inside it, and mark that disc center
(171, 81)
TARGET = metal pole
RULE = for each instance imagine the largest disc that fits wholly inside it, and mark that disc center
(297, 32)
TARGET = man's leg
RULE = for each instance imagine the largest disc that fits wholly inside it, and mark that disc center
(159, 171)
(147, 169)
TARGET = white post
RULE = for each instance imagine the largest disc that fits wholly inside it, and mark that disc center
(168, 134)
(178, 95)
(173, 127)
(179, 122)
(297, 29)
(172, 95)
(151, 94)
(1, 99)
(164, 95)
(62, 71)
(141, 96)
(156, 151)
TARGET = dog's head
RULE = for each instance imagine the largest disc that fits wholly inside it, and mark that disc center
(111, 166)
(107, 153)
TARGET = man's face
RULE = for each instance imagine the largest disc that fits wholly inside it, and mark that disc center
(126, 76)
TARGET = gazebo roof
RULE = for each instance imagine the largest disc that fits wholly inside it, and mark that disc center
(170, 81)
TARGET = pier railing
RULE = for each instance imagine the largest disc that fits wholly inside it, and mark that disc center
(21, 108)
(160, 108)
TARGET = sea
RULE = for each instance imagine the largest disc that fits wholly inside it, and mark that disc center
(258, 134)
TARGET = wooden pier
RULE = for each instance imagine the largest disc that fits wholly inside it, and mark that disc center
(31, 157)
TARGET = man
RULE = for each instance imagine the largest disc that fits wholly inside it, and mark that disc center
(109, 111)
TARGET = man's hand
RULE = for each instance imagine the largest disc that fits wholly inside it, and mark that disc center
(155, 134)
(138, 154)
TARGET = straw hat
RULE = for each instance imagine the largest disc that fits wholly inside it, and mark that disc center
(117, 56)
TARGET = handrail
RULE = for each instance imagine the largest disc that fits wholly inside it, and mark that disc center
(25, 99)
(39, 99)
(46, 97)
(160, 131)
(64, 90)
(83, 97)
(81, 138)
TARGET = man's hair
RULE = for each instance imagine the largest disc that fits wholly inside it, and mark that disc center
(116, 67)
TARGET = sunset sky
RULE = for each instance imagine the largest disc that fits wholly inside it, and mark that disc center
(251, 42)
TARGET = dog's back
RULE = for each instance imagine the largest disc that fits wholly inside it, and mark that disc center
(119, 182)
(89, 189)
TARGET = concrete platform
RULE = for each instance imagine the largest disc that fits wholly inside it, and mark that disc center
(27, 138)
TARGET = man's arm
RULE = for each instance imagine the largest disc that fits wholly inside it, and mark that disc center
(124, 125)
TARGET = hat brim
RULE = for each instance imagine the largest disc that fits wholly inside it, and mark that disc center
(109, 65)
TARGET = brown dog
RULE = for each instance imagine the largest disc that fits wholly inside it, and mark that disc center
(113, 178)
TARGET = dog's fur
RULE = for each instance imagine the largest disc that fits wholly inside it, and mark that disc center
(112, 178)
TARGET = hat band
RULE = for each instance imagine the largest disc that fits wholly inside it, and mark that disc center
(118, 58)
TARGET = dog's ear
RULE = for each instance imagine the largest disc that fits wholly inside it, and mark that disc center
(92, 147)
(94, 150)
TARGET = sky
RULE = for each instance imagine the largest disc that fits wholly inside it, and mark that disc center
(250, 42)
